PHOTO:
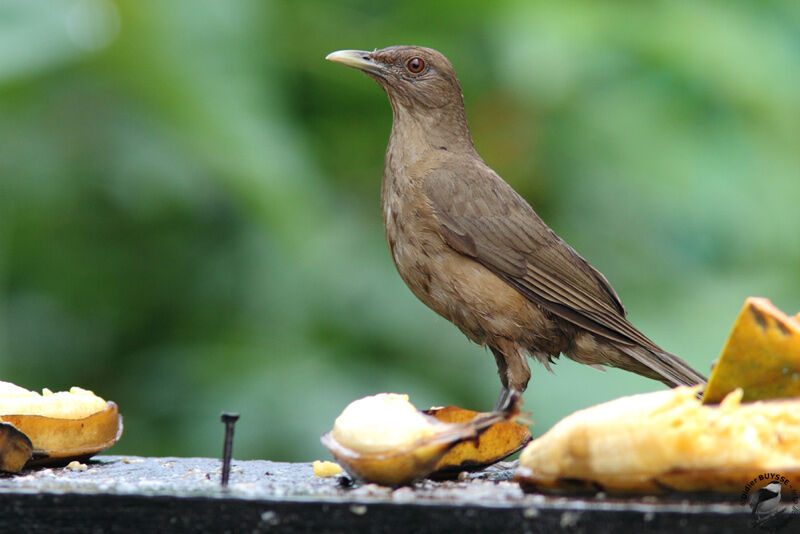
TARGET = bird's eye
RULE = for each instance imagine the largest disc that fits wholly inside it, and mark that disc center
(415, 65)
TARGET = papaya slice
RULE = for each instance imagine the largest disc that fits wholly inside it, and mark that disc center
(761, 355)
(499, 441)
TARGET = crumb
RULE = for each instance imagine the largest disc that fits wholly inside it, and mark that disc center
(75, 465)
(326, 469)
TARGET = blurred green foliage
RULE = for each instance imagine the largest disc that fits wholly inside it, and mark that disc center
(189, 197)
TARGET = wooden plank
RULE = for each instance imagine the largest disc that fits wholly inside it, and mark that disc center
(131, 494)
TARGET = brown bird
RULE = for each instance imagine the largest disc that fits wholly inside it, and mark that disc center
(476, 253)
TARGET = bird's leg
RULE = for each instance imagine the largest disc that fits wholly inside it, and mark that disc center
(508, 400)
(502, 371)
(502, 400)
(512, 367)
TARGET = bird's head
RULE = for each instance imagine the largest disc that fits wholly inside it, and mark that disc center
(413, 77)
(423, 89)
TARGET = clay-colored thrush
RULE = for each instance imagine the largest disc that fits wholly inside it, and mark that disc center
(475, 252)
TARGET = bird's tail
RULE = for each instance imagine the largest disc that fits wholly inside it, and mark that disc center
(663, 366)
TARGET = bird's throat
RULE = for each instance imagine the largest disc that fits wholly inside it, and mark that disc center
(419, 130)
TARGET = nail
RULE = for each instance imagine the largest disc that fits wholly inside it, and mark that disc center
(227, 451)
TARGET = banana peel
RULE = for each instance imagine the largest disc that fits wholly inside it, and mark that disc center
(761, 355)
(15, 448)
(57, 441)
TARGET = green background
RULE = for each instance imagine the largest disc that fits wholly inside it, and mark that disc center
(189, 197)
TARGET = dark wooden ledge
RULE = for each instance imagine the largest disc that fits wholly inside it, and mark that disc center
(133, 494)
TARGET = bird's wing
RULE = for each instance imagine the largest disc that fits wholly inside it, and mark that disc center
(482, 217)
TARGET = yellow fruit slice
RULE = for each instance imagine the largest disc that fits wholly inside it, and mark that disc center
(665, 441)
(761, 356)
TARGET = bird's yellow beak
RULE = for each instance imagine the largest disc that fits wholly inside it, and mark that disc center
(358, 59)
